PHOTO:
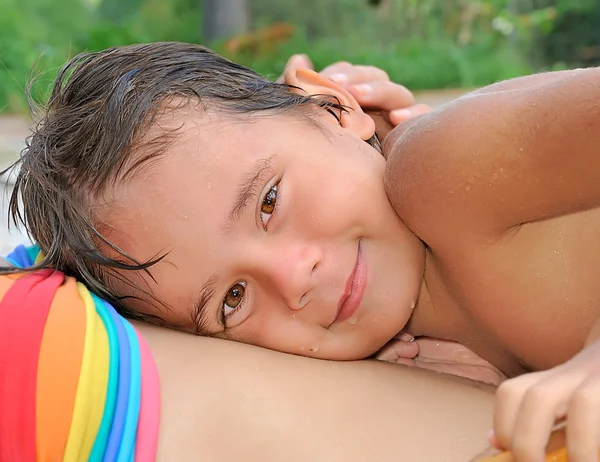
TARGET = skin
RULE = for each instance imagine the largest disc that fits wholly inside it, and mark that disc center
(512, 224)
(341, 427)
(309, 409)
(295, 260)
(490, 194)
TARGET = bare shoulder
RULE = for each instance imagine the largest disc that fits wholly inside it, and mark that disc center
(499, 158)
(438, 166)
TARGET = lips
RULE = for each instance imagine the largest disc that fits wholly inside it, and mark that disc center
(354, 290)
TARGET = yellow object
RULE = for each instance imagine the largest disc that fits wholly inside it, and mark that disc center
(560, 455)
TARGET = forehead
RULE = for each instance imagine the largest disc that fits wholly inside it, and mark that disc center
(212, 138)
(194, 179)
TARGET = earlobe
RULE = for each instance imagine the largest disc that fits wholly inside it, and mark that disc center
(310, 82)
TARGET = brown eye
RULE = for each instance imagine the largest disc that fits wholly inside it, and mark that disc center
(268, 204)
(234, 296)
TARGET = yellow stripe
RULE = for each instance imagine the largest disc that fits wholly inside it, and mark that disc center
(91, 389)
(100, 368)
(40, 257)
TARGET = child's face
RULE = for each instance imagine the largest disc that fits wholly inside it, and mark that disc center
(281, 230)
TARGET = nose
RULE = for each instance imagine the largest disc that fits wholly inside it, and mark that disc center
(291, 270)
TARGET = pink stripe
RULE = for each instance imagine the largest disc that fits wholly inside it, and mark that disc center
(149, 421)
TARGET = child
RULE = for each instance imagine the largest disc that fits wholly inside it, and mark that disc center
(196, 194)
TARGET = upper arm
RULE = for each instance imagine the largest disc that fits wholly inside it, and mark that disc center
(226, 401)
(493, 160)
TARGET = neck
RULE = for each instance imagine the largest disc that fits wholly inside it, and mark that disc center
(436, 314)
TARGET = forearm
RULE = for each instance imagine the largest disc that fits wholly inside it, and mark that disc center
(226, 401)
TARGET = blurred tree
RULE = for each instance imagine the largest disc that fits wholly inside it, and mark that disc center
(118, 11)
(422, 43)
(573, 37)
(225, 18)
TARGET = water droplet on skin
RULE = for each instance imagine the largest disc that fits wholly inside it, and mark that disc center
(315, 349)
(208, 184)
(494, 178)
(302, 348)
(353, 320)
(468, 188)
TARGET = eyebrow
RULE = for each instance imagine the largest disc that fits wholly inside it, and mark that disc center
(247, 190)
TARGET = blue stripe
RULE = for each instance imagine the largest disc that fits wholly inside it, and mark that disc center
(101, 441)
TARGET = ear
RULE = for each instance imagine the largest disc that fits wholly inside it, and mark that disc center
(354, 119)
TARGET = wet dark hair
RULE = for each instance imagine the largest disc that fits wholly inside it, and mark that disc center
(101, 106)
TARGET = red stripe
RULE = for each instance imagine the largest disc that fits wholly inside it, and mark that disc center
(23, 313)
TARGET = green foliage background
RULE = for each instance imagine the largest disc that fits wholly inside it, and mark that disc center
(421, 43)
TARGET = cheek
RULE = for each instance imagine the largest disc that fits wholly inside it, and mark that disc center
(269, 329)
(333, 193)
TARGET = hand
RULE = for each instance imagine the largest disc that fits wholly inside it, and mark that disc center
(528, 408)
(441, 356)
(388, 103)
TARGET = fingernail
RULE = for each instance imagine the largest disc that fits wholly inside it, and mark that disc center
(363, 89)
(492, 439)
(406, 337)
(339, 78)
(302, 60)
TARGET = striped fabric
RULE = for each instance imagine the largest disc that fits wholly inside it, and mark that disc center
(77, 381)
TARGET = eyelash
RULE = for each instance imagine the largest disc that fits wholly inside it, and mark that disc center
(225, 316)
(242, 284)
(275, 206)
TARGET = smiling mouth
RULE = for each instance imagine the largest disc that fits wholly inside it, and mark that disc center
(355, 289)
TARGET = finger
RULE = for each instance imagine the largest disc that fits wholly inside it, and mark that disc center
(435, 349)
(405, 362)
(506, 407)
(384, 95)
(341, 67)
(477, 373)
(399, 116)
(346, 74)
(398, 349)
(300, 60)
(453, 358)
(493, 441)
(542, 404)
(583, 417)
(405, 337)
(447, 351)
(387, 354)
